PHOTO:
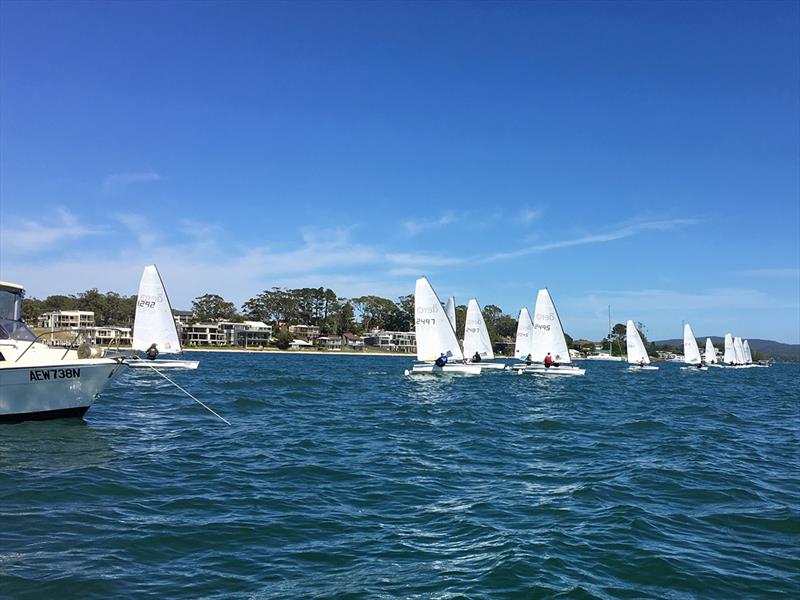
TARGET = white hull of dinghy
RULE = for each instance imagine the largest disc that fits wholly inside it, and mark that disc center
(449, 369)
(137, 363)
(35, 392)
(694, 368)
(635, 368)
(549, 371)
(492, 366)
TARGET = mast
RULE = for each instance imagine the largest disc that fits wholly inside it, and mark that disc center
(610, 350)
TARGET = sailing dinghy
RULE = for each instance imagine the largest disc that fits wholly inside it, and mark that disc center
(637, 355)
(730, 353)
(547, 337)
(450, 309)
(749, 357)
(711, 354)
(738, 351)
(154, 324)
(522, 343)
(691, 352)
(476, 338)
(435, 336)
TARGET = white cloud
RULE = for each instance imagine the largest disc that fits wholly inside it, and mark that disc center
(527, 215)
(195, 266)
(119, 181)
(141, 228)
(28, 236)
(415, 226)
(594, 238)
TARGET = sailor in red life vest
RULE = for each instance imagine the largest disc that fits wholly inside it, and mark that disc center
(548, 361)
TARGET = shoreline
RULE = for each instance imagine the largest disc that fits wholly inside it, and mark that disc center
(294, 352)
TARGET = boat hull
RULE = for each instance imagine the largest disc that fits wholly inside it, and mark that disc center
(490, 366)
(449, 369)
(161, 364)
(68, 389)
(559, 371)
(642, 368)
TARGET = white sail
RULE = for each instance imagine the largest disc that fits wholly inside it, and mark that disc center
(548, 335)
(435, 333)
(730, 353)
(451, 311)
(522, 345)
(748, 357)
(738, 350)
(636, 352)
(691, 353)
(476, 336)
(154, 323)
(711, 352)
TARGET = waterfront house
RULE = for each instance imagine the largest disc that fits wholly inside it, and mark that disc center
(392, 341)
(304, 332)
(300, 345)
(61, 319)
(203, 334)
(111, 336)
(330, 342)
(353, 341)
(246, 333)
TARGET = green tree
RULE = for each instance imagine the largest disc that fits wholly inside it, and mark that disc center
(283, 339)
(31, 309)
(379, 313)
(212, 307)
(345, 318)
(461, 320)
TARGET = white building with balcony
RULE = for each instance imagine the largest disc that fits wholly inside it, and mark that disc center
(392, 341)
(72, 319)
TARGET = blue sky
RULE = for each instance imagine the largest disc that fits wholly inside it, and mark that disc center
(643, 155)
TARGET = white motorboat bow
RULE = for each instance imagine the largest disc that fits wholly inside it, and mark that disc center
(38, 382)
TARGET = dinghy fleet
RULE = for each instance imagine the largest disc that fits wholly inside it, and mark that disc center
(40, 382)
(540, 347)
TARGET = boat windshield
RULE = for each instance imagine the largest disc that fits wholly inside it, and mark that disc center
(10, 304)
(15, 330)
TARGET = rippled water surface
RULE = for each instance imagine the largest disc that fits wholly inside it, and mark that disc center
(341, 477)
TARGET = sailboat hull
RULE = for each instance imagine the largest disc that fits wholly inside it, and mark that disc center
(559, 371)
(490, 366)
(642, 368)
(137, 363)
(428, 369)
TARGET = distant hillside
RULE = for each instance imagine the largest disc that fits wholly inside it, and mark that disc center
(769, 348)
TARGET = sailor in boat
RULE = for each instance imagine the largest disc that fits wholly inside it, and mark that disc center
(476, 358)
(557, 362)
(701, 364)
(152, 352)
(528, 360)
(641, 362)
(442, 360)
(548, 361)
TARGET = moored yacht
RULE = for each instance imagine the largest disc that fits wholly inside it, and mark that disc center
(38, 382)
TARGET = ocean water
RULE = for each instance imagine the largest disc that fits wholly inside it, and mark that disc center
(340, 477)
